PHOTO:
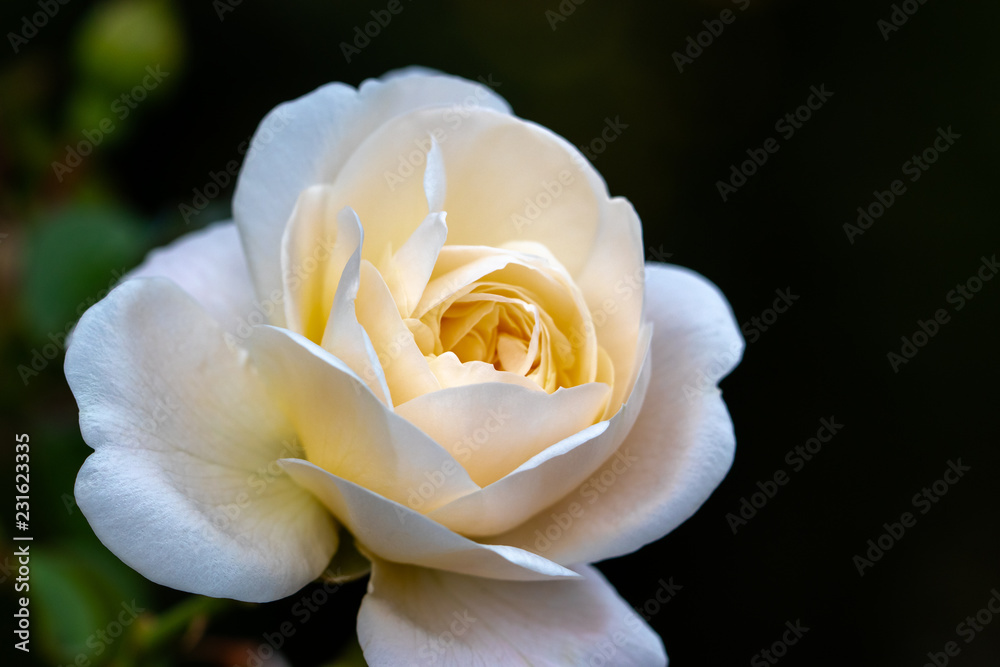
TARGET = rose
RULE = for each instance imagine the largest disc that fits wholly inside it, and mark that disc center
(437, 351)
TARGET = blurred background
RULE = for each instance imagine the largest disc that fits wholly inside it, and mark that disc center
(747, 134)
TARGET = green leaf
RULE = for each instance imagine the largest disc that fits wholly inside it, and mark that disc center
(72, 261)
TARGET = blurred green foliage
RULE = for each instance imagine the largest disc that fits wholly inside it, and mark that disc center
(67, 235)
(118, 39)
(66, 263)
(77, 596)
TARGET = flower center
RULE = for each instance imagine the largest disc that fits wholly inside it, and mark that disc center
(522, 318)
(495, 325)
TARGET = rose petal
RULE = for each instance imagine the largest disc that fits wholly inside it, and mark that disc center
(319, 240)
(343, 427)
(612, 283)
(321, 257)
(208, 264)
(413, 613)
(395, 532)
(450, 371)
(406, 370)
(460, 266)
(407, 273)
(435, 181)
(682, 443)
(483, 425)
(508, 180)
(571, 355)
(344, 336)
(183, 485)
(542, 480)
(308, 140)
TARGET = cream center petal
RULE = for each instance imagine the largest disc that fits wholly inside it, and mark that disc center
(498, 330)
(515, 310)
(318, 242)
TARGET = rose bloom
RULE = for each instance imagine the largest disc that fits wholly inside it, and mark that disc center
(427, 348)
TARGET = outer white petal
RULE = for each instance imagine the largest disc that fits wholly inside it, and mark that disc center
(682, 442)
(183, 484)
(395, 532)
(209, 264)
(416, 616)
(308, 140)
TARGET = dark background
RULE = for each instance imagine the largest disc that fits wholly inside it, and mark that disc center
(61, 242)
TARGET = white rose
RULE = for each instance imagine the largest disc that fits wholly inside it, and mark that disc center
(430, 337)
